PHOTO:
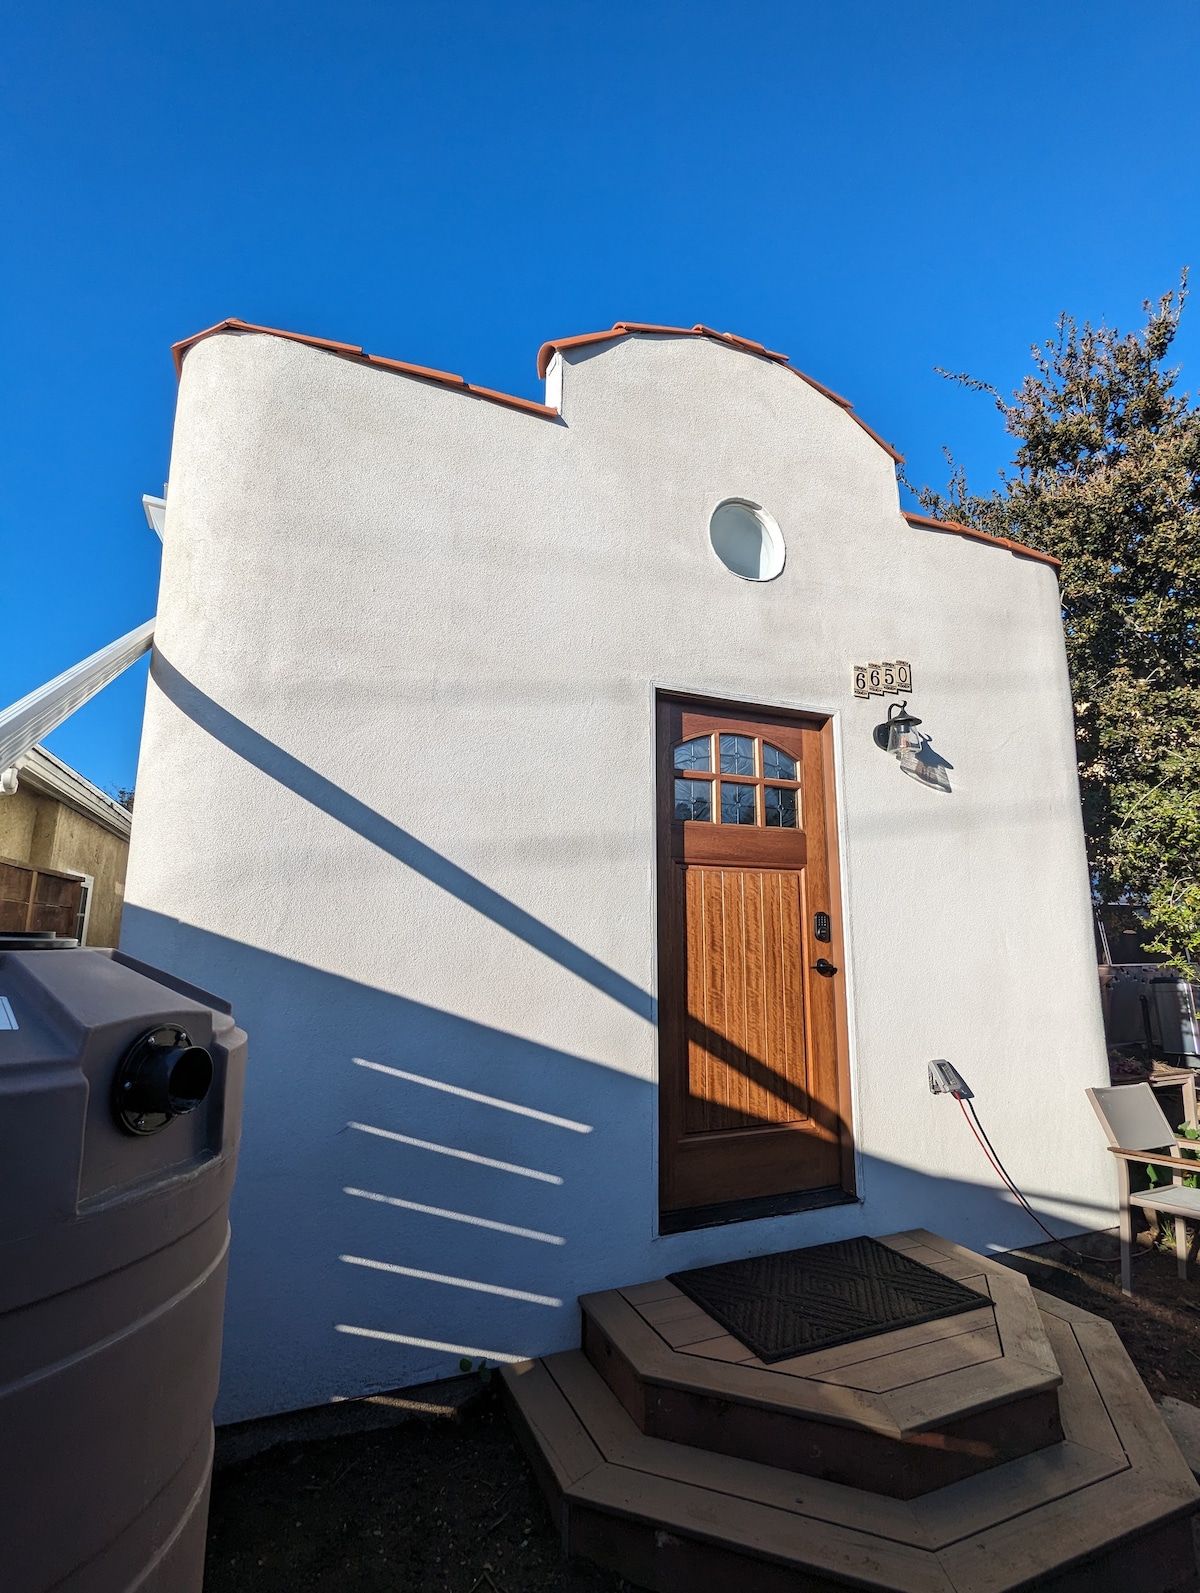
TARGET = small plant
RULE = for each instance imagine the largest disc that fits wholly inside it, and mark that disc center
(1160, 1175)
(482, 1367)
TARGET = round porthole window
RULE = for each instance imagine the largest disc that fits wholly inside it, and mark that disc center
(746, 540)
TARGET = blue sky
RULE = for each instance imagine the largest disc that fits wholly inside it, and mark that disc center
(876, 189)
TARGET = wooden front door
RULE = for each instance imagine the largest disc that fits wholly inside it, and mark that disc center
(751, 1088)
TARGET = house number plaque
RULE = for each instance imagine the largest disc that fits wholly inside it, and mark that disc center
(880, 680)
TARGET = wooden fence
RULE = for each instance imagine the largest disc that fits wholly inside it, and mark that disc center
(40, 898)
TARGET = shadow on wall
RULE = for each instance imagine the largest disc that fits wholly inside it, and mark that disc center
(415, 1187)
(297, 777)
(928, 766)
(491, 1171)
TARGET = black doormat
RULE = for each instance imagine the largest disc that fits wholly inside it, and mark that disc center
(815, 1299)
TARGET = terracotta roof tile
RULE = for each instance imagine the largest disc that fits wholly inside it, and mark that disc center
(982, 536)
(626, 328)
(352, 351)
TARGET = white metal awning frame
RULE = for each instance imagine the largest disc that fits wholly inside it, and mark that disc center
(24, 724)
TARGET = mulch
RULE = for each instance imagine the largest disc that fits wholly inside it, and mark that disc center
(452, 1506)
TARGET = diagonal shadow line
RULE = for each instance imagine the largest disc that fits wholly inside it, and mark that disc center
(788, 1092)
(399, 843)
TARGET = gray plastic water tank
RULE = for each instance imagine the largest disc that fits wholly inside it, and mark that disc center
(120, 1108)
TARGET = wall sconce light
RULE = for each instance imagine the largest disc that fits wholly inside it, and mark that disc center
(898, 733)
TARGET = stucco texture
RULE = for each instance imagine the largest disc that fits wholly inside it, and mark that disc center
(396, 802)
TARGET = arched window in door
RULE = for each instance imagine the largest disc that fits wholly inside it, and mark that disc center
(743, 780)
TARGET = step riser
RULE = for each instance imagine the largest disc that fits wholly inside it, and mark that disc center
(665, 1563)
(900, 1469)
(543, 1472)
(903, 1469)
(1160, 1561)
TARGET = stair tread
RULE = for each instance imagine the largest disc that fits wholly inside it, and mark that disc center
(1084, 1415)
(764, 1532)
(819, 1363)
(903, 1368)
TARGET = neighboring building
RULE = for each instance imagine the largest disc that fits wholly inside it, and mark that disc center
(64, 845)
(507, 767)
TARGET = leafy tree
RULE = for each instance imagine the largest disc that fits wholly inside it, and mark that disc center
(1106, 477)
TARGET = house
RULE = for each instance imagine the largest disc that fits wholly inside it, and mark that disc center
(64, 845)
(512, 768)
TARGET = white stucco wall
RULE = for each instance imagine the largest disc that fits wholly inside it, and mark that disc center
(396, 802)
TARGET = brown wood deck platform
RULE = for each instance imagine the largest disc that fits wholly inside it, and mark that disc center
(663, 1468)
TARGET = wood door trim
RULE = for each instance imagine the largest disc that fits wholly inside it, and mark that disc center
(739, 717)
(837, 955)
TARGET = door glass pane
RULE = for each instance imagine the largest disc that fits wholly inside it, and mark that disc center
(777, 765)
(693, 799)
(737, 755)
(779, 807)
(737, 801)
(695, 754)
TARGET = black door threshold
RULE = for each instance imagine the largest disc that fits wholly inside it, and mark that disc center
(752, 1210)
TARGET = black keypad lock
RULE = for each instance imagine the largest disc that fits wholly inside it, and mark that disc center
(821, 926)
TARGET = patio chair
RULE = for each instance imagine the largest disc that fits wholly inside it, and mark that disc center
(1138, 1132)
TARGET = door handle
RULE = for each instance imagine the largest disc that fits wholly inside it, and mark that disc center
(824, 967)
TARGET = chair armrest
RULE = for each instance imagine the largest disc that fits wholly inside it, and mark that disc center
(1177, 1164)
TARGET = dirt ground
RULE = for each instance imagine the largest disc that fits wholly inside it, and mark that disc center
(1159, 1326)
(427, 1507)
(452, 1507)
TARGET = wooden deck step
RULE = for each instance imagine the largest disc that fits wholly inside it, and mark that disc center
(902, 1413)
(1108, 1506)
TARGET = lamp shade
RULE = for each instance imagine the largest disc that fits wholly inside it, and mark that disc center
(898, 733)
